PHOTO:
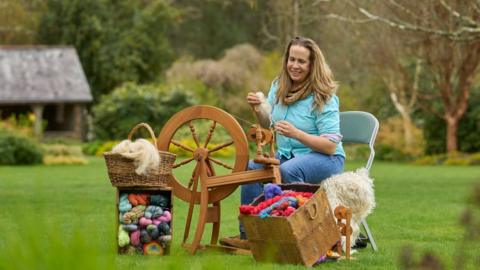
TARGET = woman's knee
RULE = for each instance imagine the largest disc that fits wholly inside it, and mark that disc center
(291, 174)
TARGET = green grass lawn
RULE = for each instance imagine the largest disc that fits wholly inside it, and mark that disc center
(62, 217)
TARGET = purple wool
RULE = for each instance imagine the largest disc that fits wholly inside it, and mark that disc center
(271, 190)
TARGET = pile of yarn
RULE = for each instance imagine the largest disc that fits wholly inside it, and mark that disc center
(277, 203)
(144, 223)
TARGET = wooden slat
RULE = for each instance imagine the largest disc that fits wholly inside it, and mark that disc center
(241, 178)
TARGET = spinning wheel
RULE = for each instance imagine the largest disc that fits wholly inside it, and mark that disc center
(216, 116)
(213, 187)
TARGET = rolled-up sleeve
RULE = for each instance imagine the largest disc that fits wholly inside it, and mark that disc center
(328, 121)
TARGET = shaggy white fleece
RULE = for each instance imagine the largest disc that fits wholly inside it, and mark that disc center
(353, 190)
(143, 152)
(264, 110)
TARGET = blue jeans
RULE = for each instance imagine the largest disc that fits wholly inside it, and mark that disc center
(310, 168)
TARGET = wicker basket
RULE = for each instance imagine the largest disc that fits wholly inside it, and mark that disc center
(121, 170)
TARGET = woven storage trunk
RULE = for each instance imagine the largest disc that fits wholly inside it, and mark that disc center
(131, 249)
(301, 238)
(121, 170)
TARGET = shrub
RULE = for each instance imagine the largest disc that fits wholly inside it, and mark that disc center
(64, 160)
(224, 152)
(452, 159)
(105, 147)
(91, 148)
(130, 104)
(389, 152)
(391, 143)
(356, 152)
(16, 149)
(63, 154)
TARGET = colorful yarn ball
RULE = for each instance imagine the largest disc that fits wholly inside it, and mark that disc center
(165, 238)
(271, 190)
(145, 236)
(123, 204)
(159, 200)
(165, 217)
(144, 222)
(164, 228)
(135, 238)
(130, 227)
(133, 215)
(153, 211)
(123, 238)
(138, 199)
(153, 248)
(153, 231)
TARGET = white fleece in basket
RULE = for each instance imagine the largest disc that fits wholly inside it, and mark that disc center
(143, 152)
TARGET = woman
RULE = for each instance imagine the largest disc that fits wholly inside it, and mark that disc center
(305, 115)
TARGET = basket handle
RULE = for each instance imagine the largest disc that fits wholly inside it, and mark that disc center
(147, 127)
(313, 206)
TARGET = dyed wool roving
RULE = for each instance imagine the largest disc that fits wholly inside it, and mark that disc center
(159, 200)
(144, 228)
(283, 203)
(135, 238)
(271, 190)
(123, 238)
(124, 205)
(153, 211)
(130, 227)
(138, 199)
(133, 215)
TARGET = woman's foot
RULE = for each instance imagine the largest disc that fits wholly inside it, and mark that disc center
(235, 241)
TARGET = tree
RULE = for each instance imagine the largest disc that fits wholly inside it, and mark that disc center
(448, 41)
(19, 21)
(117, 41)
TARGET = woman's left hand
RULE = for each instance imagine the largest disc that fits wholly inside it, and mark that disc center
(286, 129)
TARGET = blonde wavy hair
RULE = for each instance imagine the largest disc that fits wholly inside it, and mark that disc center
(320, 80)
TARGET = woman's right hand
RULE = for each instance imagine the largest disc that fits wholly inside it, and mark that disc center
(253, 99)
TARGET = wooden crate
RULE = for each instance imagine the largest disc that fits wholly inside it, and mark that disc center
(301, 238)
(165, 191)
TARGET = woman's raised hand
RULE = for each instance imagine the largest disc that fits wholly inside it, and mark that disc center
(253, 99)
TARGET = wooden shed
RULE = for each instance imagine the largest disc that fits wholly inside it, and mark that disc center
(48, 81)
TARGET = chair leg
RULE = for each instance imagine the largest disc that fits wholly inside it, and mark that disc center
(369, 235)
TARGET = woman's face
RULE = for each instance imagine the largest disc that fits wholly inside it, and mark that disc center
(298, 63)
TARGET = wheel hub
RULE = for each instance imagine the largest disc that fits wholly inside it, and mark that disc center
(200, 154)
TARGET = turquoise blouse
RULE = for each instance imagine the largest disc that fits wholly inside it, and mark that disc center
(302, 115)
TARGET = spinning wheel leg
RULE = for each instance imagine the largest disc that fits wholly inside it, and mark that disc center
(216, 223)
(202, 217)
(191, 204)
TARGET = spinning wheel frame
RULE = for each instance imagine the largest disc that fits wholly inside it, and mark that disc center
(239, 140)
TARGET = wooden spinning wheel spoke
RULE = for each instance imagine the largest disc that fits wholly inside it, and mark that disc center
(183, 162)
(194, 179)
(219, 147)
(210, 133)
(183, 146)
(194, 133)
(220, 163)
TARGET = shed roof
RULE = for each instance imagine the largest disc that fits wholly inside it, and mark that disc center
(41, 74)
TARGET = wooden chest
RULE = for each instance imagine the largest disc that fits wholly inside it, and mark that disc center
(301, 238)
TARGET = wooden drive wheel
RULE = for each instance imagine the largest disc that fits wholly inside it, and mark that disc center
(200, 156)
(216, 116)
